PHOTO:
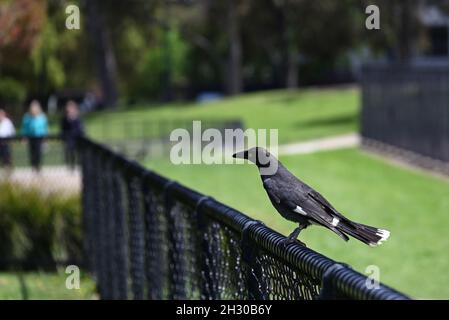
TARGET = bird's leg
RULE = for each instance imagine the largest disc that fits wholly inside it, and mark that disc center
(292, 237)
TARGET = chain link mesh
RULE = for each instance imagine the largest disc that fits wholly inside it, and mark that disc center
(148, 237)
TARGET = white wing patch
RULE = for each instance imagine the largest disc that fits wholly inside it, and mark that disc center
(299, 210)
(335, 222)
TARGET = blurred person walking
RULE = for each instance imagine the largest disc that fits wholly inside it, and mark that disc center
(71, 129)
(6, 130)
(35, 128)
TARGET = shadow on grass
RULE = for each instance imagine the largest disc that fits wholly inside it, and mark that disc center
(287, 99)
(23, 287)
(331, 121)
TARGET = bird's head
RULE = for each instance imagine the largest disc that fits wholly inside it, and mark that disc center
(257, 155)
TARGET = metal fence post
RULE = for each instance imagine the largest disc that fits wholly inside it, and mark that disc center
(327, 291)
(109, 228)
(87, 206)
(136, 238)
(106, 205)
(175, 249)
(153, 252)
(98, 226)
(256, 285)
(204, 256)
(120, 239)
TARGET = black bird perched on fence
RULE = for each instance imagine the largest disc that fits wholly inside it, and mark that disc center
(298, 202)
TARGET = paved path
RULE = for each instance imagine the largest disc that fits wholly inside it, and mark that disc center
(50, 179)
(60, 179)
(328, 143)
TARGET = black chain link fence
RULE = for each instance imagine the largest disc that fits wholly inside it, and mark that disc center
(147, 139)
(151, 238)
(405, 112)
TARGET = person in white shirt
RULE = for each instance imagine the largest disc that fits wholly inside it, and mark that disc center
(6, 130)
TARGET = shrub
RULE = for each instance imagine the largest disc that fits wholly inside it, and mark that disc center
(38, 229)
(149, 82)
(11, 91)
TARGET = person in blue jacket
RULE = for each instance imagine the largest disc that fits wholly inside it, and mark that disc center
(35, 128)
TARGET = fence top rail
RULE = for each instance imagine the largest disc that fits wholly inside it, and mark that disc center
(335, 276)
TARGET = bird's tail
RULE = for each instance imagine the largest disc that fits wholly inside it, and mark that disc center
(370, 235)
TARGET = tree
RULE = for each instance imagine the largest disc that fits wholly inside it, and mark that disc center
(400, 28)
(234, 66)
(286, 32)
(103, 51)
(21, 24)
(219, 37)
(288, 16)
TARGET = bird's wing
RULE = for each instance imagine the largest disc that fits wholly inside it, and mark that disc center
(301, 202)
(295, 202)
(316, 213)
(318, 198)
(310, 210)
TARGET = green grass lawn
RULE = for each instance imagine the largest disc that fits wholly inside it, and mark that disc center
(413, 206)
(299, 115)
(43, 286)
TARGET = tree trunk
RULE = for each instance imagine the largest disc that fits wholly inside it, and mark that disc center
(104, 53)
(167, 94)
(290, 49)
(291, 80)
(234, 65)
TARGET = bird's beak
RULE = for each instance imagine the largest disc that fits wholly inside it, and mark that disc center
(241, 155)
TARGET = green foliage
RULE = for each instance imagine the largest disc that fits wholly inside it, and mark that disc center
(11, 91)
(43, 286)
(134, 42)
(44, 57)
(169, 55)
(38, 228)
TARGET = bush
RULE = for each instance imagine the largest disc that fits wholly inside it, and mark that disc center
(150, 83)
(11, 91)
(38, 230)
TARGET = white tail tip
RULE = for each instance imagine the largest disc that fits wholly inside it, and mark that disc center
(383, 234)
